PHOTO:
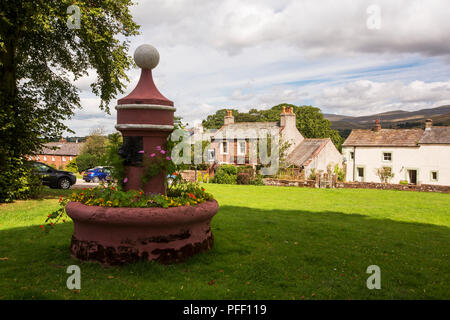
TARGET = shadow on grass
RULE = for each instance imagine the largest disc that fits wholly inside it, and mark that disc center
(258, 254)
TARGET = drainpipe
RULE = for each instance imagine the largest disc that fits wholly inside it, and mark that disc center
(354, 162)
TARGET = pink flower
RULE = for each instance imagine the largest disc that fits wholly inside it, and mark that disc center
(158, 148)
(142, 151)
(163, 151)
(125, 180)
(152, 155)
(168, 158)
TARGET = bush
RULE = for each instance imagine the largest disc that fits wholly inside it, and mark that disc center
(312, 175)
(86, 161)
(72, 166)
(243, 178)
(404, 182)
(339, 172)
(257, 181)
(226, 174)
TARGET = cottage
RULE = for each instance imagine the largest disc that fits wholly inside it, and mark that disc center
(413, 156)
(58, 154)
(237, 143)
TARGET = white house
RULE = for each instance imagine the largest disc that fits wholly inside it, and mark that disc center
(414, 155)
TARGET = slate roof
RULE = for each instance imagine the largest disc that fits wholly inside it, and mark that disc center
(63, 149)
(245, 130)
(436, 135)
(306, 151)
(384, 138)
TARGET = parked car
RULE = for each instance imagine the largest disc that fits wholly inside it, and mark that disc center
(54, 178)
(97, 174)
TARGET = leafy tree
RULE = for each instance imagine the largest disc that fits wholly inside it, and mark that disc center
(40, 56)
(95, 144)
(86, 161)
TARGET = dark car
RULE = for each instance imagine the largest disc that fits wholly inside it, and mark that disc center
(97, 174)
(54, 178)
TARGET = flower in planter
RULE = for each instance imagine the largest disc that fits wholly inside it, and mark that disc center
(168, 158)
(142, 151)
(152, 155)
(158, 148)
(162, 151)
(125, 180)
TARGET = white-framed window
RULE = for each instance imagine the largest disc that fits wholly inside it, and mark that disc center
(360, 174)
(45, 158)
(352, 155)
(387, 156)
(30, 158)
(211, 155)
(64, 159)
(53, 159)
(37, 158)
(242, 148)
(224, 147)
(434, 175)
(70, 158)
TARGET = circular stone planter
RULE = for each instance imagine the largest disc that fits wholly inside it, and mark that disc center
(123, 235)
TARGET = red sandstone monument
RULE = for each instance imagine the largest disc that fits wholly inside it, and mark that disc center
(122, 235)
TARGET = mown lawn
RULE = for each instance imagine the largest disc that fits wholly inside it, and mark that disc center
(270, 243)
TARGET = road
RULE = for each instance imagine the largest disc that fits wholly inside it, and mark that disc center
(80, 184)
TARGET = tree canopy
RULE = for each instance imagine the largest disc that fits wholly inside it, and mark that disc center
(310, 120)
(44, 47)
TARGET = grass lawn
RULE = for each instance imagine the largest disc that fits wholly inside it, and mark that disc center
(270, 243)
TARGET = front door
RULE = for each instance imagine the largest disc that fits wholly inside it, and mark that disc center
(412, 176)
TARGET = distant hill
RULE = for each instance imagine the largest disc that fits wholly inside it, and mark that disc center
(391, 119)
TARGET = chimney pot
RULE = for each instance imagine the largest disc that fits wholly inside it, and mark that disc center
(428, 124)
(228, 118)
(284, 109)
(377, 126)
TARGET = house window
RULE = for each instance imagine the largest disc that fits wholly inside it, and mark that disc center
(37, 158)
(70, 158)
(352, 155)
(30, 158)
(64, 159)
(45, 158)
(360, 174)
(434, 176)
(242, 146)
(387, 156)
(224, 147)
(211, 155)
(53, 159)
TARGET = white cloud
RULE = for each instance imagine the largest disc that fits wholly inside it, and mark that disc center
(258, 53)
(365, 97)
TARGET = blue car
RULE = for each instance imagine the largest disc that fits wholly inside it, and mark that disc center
(97, 174)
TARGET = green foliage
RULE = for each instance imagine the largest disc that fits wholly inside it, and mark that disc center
(72, 166)
(95, 145)
(39, 59)
(225, 174)
(86, 161)
(243, 178)
(403, 182)
(312, 175)
(339, 172)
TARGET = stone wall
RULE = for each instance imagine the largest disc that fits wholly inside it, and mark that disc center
(289, 183)
(388, 186)
(358, 185)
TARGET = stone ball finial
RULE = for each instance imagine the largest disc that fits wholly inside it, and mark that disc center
(146, 56)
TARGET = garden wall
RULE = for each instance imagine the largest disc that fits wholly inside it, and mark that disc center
(359, 185)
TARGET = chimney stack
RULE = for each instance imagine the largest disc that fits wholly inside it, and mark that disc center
(428, 124)
(287, 117)
(229, 119)
(377, 126)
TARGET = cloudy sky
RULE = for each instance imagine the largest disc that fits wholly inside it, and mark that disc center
(351, 57)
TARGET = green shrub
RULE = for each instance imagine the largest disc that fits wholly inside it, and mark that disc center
(226, 174)
(403, 182)
(86, 161)
(72, 166)
(312, 175)
(339, 172)
(257, 181)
